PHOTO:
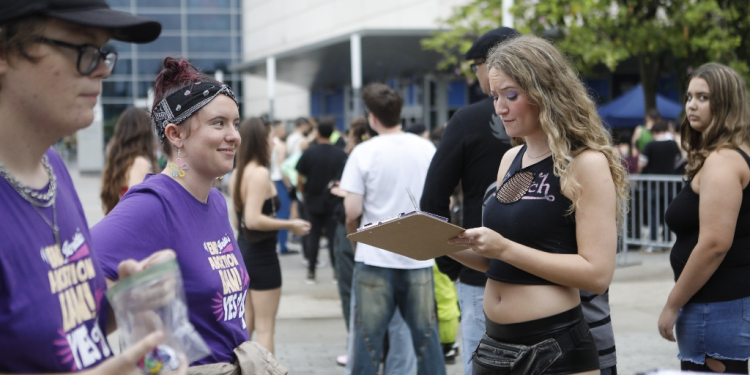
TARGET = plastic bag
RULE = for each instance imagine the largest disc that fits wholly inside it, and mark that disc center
(152, 300)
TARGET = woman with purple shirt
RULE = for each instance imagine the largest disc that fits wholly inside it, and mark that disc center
(51, 285)
(196, 120)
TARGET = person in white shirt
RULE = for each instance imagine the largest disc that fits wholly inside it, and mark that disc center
(301, 128)
(375, 178)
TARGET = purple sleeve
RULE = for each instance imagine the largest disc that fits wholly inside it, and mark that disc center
(135, 229)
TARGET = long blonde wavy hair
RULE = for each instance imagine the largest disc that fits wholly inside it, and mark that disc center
(566, 112)
(730, 116)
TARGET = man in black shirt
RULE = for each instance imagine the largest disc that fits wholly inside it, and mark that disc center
(660, 156)
(469, 152)
(319, 166)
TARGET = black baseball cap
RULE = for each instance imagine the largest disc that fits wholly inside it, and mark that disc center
(485, 42)
(93, 13)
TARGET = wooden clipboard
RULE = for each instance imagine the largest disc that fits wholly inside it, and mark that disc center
(416, 235)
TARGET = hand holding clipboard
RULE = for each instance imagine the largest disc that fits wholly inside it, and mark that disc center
(418, 235)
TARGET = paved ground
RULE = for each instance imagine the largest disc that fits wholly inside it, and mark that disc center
(311, 332)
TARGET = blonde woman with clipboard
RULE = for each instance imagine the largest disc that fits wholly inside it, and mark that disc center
(551, 229)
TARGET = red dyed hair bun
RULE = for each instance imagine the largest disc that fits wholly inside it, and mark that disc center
(176, 74)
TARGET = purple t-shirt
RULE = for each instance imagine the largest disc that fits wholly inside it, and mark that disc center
(160, 214)
(50, 297)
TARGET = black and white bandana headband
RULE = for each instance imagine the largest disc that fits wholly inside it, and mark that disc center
(182, 104)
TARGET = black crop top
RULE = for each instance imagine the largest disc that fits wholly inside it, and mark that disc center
(252, 236)
(729, 282)
(538, 220)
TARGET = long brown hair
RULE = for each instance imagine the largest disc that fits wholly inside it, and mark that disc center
(357, 133)
(567, 114)
(132, 138)
(730, 116)
(254, 133)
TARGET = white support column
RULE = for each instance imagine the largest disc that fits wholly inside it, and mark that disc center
(355, 48)
(91, 143)
(507, 16)
(271, 82)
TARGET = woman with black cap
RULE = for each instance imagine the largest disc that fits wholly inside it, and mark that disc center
(51, 67)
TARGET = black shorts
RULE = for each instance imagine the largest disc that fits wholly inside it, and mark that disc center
(261, 262)
(557, 344)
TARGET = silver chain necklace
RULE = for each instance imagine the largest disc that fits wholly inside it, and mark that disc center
(32, 196)
(37, 199)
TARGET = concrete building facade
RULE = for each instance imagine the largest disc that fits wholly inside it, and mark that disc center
(206, 32)
(302, 58)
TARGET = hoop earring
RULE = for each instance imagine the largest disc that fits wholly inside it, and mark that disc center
(178, 170)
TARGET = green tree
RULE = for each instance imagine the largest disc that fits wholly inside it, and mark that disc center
(683, 33)
(463, 27)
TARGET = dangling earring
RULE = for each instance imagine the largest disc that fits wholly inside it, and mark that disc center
(179, 168)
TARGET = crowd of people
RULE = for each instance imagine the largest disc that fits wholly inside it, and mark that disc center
(542, 189)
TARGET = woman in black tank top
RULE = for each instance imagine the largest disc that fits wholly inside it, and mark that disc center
(709, 304)
(551, 227)
(255, 204)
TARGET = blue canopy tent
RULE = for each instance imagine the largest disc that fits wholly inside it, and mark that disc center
(628, 111)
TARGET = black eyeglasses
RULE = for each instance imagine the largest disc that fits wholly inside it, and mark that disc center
(88, 55)
(475, 66)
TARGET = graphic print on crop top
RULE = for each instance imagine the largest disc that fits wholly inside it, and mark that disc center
(539, 219)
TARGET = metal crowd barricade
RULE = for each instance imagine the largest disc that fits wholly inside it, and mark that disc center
(644, 225)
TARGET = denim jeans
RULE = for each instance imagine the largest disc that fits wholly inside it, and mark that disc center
(283, 213)
(344, 266)
(401, 359)
(720, 330)
(378, 293)
(471, 301)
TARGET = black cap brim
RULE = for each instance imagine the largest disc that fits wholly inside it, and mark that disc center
(482, 46)
(124, 26)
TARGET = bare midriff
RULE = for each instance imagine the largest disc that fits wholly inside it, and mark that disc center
(506, 303)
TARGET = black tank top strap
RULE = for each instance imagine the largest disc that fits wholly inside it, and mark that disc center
(515, 166)
(744, 155)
